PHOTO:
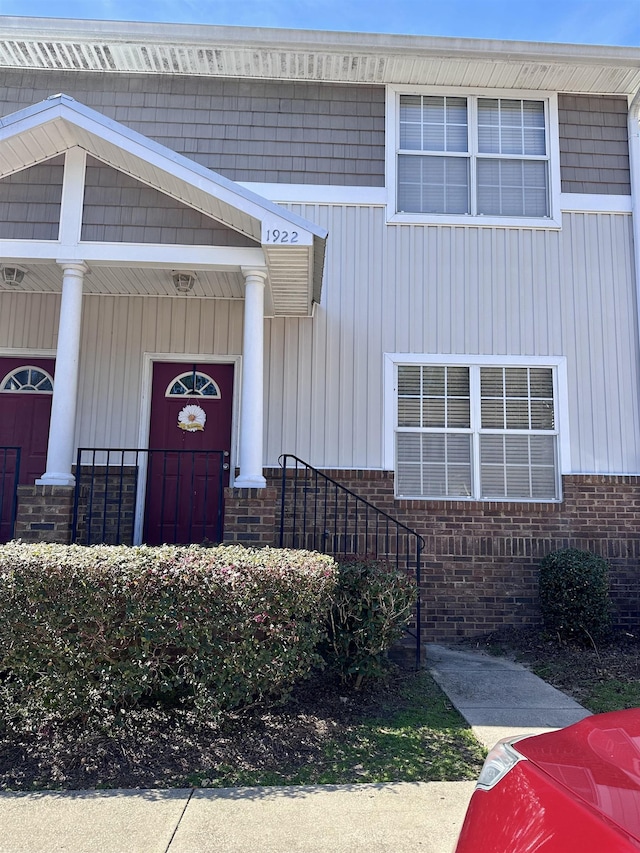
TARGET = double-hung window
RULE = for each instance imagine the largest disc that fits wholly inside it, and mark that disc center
(488, 432)
(471, 156)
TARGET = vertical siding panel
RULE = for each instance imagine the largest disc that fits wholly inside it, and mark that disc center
(387, 288)
(274, 389)
(375, 324)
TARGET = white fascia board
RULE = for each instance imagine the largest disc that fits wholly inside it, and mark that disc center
(591, 203)
(135, 254)
(71, 111)
(319, 193)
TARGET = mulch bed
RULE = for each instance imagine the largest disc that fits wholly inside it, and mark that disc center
(151, 748)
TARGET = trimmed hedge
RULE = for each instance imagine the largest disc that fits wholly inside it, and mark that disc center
(574, 595)
(84, 630)
(371, 605)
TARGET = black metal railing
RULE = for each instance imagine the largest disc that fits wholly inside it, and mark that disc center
(320, 514)
(9, 478)
(169, 496)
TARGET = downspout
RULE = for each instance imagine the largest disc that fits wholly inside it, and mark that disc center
(633, 120)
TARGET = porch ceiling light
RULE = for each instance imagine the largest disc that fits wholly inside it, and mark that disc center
(183, 281)
(12, 275)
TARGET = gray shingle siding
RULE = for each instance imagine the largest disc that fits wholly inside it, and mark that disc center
(264, 131)
(30, 202)
(117, 208)
(594, 153)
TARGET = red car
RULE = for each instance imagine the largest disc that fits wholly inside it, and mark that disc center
(576, 790)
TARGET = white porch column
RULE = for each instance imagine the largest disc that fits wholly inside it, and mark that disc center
(252, 414)
(65, 389)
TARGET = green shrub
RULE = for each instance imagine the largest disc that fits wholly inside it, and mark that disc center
(371, 604)
(574, 595)
(85, 630)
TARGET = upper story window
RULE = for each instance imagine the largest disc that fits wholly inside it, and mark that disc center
(455, 157)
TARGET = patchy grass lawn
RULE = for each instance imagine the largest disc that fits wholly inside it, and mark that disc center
(399, 729)
(410, 735)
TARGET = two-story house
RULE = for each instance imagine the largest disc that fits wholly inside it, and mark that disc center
(412, 262)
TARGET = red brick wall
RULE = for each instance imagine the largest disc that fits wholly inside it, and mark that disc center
(480, 562)
(250, 516)
(45, 514)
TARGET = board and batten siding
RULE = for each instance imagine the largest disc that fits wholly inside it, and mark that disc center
(116, 332)
(400, 288)
(458, 290)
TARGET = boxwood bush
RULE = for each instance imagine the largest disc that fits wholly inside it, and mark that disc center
(84, 630)
(371, 605)
(574, 595)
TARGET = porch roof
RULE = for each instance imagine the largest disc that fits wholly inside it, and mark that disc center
(59, 124)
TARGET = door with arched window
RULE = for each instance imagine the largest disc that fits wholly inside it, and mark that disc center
(189, 452)
(26, 389)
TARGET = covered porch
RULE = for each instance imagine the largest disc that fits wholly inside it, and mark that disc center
(102, 216)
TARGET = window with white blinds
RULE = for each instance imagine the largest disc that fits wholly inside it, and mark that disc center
(473, 156)
(479, 432)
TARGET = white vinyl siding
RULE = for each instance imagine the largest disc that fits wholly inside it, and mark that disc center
(485, 432)
(403, 291)
(472, 156)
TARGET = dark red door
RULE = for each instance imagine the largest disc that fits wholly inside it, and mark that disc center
(25, 411)
(189, 447)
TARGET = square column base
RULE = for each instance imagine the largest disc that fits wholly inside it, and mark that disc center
(250, 517)
(45, 514)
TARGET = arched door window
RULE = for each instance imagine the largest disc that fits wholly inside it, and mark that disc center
(193, 383)
(27, 379)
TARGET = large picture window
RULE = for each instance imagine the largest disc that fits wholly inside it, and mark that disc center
(474, 431)
(471, 156)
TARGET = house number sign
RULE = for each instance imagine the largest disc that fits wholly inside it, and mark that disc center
(275, 235)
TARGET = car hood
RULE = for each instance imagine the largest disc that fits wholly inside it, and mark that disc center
(598, 760)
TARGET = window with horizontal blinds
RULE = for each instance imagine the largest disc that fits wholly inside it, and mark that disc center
(476, 432)
(472, 155)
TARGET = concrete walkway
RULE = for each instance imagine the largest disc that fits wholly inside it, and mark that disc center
(498, 698)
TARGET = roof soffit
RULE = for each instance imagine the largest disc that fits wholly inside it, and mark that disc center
(319, 56)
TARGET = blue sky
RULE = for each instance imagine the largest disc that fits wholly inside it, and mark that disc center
(577, 21)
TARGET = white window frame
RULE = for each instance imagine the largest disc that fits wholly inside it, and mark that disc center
(558, 365)
(392, 135)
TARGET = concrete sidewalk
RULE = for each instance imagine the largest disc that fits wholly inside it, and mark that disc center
(498, 698)
(386, 818)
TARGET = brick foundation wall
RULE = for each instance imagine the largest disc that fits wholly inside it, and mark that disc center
(44, 514)
(250, 516)
(481, 559)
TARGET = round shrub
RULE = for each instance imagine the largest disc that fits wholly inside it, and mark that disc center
(574, 595)
(371, 605)
(85, 630)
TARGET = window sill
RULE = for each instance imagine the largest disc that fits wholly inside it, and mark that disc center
(467, 499)
(548, 223)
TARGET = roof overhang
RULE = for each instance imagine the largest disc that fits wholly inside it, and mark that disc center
(60, 123)
(131, 47)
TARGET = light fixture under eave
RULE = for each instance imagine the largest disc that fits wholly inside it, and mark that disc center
(12, 275)
(183, 281)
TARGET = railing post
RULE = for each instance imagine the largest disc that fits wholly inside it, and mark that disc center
(282, 498)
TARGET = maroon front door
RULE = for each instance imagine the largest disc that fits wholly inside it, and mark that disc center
(189, 448)
(25, 411)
